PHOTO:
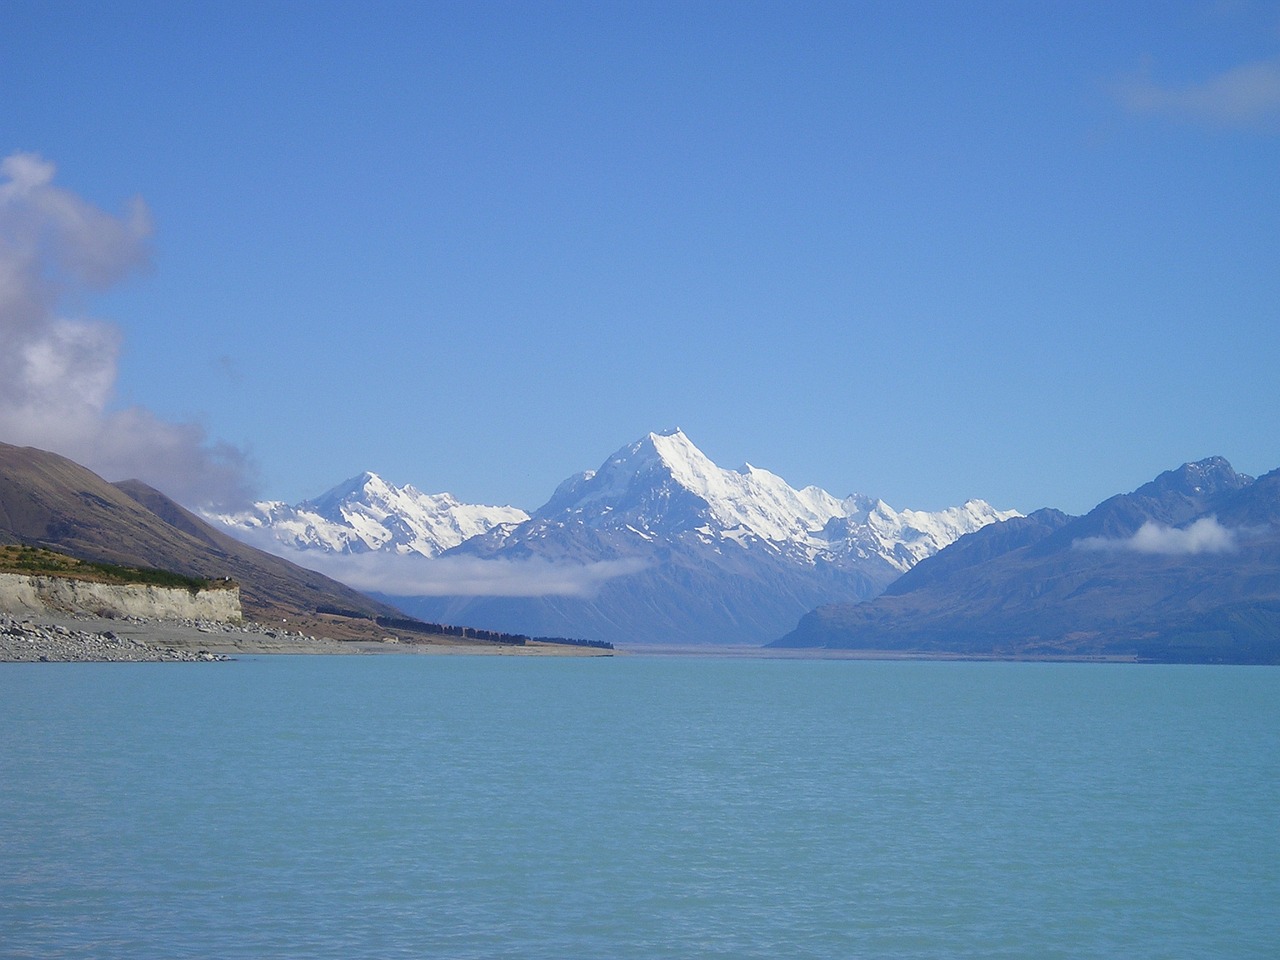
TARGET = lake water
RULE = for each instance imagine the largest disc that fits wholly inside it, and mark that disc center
(638, 807)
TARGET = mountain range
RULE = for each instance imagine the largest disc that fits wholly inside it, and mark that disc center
(659, 545)
(367, 514)
(1184, 568)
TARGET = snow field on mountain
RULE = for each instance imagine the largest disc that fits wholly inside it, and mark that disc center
(651, 491)
(369, 514)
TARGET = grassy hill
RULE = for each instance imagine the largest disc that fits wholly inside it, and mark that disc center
(37, 562)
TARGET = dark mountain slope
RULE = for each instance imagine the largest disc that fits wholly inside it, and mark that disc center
(983, 545)
(1201, 583)
(1173, 499)
(48, 500)
(1257, 505)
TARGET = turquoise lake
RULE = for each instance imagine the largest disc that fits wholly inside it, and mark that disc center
(638, 807)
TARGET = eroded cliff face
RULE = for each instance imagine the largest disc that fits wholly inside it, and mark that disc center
(23, 594)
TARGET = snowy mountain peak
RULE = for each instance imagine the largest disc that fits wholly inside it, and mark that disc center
(656, 464)
(367, 486)
(671, 452)
(663, 484)
(679, 453)
(367, 513)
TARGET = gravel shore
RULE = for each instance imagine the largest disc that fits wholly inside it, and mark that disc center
(65, 637)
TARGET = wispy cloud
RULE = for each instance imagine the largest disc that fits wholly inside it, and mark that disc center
(1206, 535)
(412, 575)
(473, 577)
(1245, 96)
(58, 374)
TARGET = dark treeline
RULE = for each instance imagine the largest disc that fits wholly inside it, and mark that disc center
(411, 625)
(576, 642)
(469, 633)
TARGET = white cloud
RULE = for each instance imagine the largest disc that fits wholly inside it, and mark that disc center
(1247, 95)
(58, 375)
(412, 575)
(1206, 535)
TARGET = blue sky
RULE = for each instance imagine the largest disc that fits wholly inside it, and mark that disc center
(930, 251)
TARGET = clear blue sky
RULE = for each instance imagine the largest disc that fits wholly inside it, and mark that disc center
(1028, 252)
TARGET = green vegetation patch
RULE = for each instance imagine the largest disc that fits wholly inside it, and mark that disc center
(37, 561)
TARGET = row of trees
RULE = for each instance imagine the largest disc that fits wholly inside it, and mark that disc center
(470, 633)
(411, 625)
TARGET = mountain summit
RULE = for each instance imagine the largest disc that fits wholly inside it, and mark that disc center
(664, 486)
(663, 481)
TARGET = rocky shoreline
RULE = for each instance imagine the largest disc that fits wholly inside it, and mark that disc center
(28, 640)
(68, 637)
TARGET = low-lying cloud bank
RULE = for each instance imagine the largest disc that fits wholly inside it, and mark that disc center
(1206, 535)
(58, 374)
(412, 575)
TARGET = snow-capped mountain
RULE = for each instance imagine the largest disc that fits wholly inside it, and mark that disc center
(368, 514)
(663, 487)
(658, 545)
(716, 555)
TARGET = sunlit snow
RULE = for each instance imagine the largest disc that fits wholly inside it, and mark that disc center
(659, 489)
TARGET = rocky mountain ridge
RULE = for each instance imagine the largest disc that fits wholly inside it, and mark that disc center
(664, 486)
(1185, 568)
(364, 514)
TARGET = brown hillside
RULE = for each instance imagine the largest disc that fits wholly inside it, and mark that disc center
(47, 500)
